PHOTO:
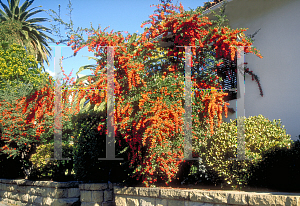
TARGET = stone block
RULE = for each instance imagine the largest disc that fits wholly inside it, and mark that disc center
(110, 203)
(14, 202)
(97, 196)
(6, 181)
(87, 204)
(39, 191)
(120, 200)
(161, 202)
(95, 186)
(209, 196)
(174, 194)
(292, 200)
(221, 197)
(24, 197)
(176, 202)
(126, 190)
(3, 194)
(132, 201)
(30, 190)
(60, 201)
(13, 196)
(238, 198)
(56, 193)
(20, 182)
(149, 192)
(55, 184)
(108, 195)
(67, 201)
(36, 200)
(280, 200)
(22, 189)
(262, 199)
(11, 188)
(48, 201)
(85, 196)
(91, 204)
(118, 190)
(43, 184)
(73, 192)
(190, 203)
(110, 185)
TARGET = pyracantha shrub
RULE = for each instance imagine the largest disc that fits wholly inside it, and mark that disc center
(150, 85)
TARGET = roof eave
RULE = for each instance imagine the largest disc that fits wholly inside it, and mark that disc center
(215, 7)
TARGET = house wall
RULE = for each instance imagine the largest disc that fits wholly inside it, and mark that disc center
(279, 70)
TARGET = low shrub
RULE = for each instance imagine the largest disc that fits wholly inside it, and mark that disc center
(219, 149)
(52, 169)
(90, 144)
(279, 169)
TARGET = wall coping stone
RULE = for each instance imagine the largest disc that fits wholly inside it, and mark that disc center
(213, 197)
(22, 182)
(93, 186)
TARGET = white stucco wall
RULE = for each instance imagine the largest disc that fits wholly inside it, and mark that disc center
(279, 70)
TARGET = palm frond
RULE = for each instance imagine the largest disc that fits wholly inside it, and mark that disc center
(30, 32)
(8, 12)
(27, 15)
(36, 20)
(25, 5)
(3, 15)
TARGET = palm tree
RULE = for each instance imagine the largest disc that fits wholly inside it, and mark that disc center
(30, 34)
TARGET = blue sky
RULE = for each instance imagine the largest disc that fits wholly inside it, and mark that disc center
(120, 15)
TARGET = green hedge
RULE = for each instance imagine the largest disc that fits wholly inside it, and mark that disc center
(261, 135)
(57, 170)
(89, 145)
(279, 169)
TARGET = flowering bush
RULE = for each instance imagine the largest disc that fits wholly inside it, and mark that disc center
(149, 106)
(149, 87)
(27, 108)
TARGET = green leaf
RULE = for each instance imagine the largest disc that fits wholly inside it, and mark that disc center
(89, 58)
(101, 107)
(132, 38)
(86, 67)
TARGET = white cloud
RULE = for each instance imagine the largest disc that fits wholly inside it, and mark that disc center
(50, 72)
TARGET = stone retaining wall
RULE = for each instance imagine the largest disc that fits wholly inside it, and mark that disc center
(140, 196)
(34, 193)
(96, 194)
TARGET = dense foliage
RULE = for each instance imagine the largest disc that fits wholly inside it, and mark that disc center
(91, 145)
(27, 106)
(149, 98)
(278, 170)
(57, 170)
(16, 64)
(149, 91)
(261, 135)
